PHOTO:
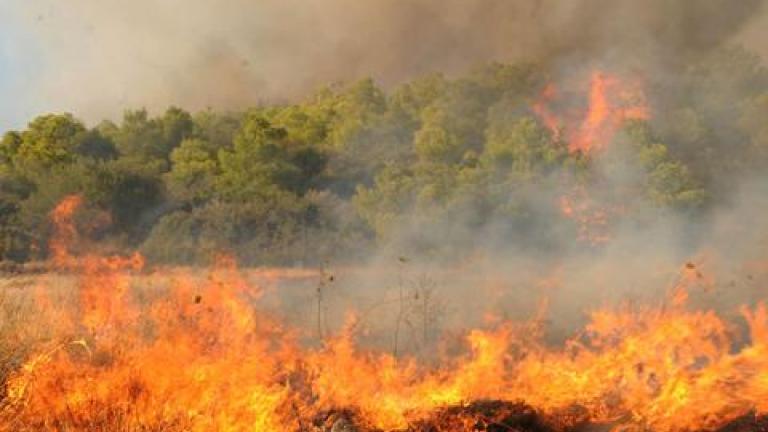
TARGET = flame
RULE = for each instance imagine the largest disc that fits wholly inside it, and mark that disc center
(593, 218)
(65, 233)
(176, 351)
(539, 107)
(611, 102)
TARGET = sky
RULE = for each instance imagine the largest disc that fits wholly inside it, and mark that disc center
(19, 62)
(97, 58)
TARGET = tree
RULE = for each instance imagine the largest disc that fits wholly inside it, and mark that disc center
(194, 168)
(352, 109)
(434, 142)
(669, 183)
(520, 147)
(410, 99)
(258, 166)
(48, 140)
(151, 140)
(9, 147)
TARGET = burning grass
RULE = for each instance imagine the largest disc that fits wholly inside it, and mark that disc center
(108, 345)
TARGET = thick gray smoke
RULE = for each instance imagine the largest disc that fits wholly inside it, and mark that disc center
(101, 56)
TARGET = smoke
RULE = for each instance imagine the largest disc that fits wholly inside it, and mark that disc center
(102, 56)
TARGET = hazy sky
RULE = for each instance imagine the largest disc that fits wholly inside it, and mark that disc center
(96, 58)
(19, 63)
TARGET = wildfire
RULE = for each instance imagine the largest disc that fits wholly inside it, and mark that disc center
(540, 108)
(611, 101)
(610, 104)
(593, 218)
(66, 232)
(202, 355)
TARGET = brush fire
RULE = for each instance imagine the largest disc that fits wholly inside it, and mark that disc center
(544, 217)
(110, 344)
(201, 354)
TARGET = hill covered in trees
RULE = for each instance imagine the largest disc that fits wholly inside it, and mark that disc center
(443, 167)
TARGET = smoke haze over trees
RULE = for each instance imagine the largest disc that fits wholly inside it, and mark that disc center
(281, 153)
(97, 58)
(436, 166)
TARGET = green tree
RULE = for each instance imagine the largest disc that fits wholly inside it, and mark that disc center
(194, 168)
(435, 142)
(48, 140)
(151, 140)
(669, 183)
(520, 147)
(258, 166)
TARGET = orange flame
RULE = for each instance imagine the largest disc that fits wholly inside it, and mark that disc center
(65, 232)
(608, 108)
(611, 102)
(178, 352)
(593, 218)
(539, 107)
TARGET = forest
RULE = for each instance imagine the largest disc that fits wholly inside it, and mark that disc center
(439, 166)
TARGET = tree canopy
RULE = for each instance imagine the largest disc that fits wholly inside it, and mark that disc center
(431, 163)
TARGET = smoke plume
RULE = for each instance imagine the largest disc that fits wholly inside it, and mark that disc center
(103, 56)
